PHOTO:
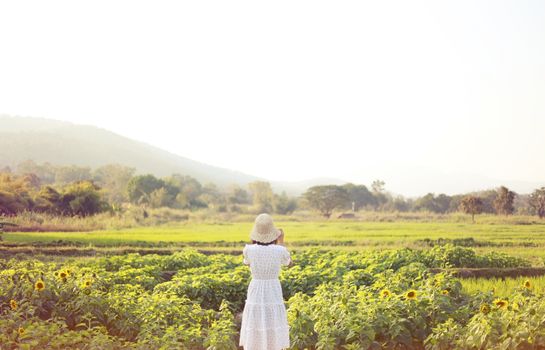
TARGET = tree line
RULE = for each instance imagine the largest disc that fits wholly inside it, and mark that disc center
(82, 191)
(501, 201)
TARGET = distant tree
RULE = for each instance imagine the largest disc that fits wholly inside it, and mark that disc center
(443, 202)
(377, 187)
(522, 205)
(32, 180)
(455, 202)
(400, 204)
(172, 193)
(326, 198)
(46, 171)
(262, 196)
(14, 195)
(72, 173)
(537, 202)
(359, 195)
(48, 200)
(212, 197)
(488, 198)
(11, 203)
(161, 198)
(397, 203)
(113, 179)
(504, 201)
(140, 187)
(426, 202)
(436, 204)
(283, 204)
(238, 195)
(189, 191)
(471, 205)
(82, 198)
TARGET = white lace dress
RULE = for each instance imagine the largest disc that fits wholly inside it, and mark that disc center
(264, 319)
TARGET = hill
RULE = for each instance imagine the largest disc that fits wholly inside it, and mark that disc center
(57, 142)
(64, 143)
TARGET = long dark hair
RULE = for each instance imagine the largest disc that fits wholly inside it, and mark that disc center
(261, 243)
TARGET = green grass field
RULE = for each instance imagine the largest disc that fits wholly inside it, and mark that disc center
(502, 287)
(374, 233)
(521, 240)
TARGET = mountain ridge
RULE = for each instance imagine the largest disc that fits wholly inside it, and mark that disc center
(65, 143)
(94, 148)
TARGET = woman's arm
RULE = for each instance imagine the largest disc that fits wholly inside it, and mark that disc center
(280, 239)
(245, 259)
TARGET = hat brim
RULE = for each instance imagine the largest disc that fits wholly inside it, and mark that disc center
(265, 237)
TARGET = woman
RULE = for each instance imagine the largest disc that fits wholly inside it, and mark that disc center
(264, 319)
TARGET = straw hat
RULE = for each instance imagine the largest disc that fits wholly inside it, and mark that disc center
(264, 230)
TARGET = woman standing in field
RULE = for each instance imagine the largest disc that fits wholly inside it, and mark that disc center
(264, 319)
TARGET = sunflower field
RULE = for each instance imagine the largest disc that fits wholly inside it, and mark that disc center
(335, 300)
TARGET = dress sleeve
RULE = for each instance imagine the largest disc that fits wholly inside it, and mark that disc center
(285, 258)
(245, 259)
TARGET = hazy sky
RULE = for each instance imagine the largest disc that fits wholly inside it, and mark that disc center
(290, 90)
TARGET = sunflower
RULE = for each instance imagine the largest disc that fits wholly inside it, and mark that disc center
(39, 286)
(411, 295)
(87, 283)
(63, 275)
(445, 292)
(501, 303)
(13, 304)
(527, 284)
(21, 330)
(385, 293)
(485, 308)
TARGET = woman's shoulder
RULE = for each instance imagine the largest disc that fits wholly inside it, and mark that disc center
(281, 248)
(249, 247)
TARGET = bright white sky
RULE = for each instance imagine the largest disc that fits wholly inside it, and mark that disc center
(291, 90)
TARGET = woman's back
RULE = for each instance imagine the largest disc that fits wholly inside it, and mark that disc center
(265, 260)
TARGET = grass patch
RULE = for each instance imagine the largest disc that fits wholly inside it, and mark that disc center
(358, 232)
(527, 241)
(502, 287)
